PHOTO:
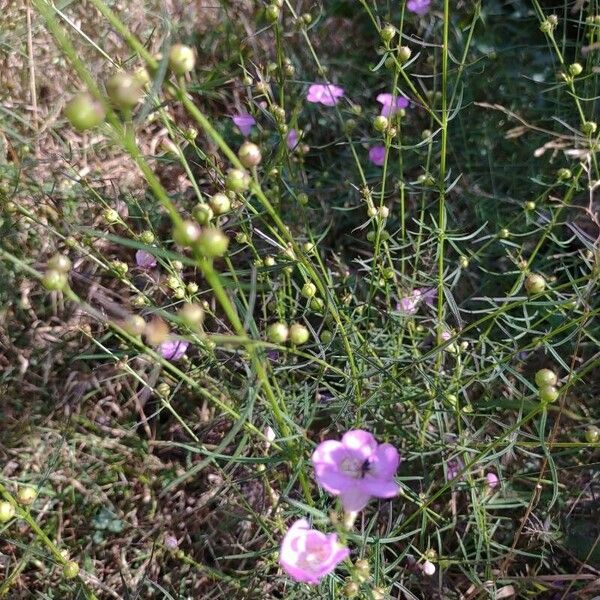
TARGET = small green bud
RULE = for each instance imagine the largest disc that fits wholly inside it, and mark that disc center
(269, 261)
(237, 181)
(564, 174)
(203, 213)
(111, 216)
(278, 333)
(142, 77)
(504, 233)
(124, 90)
(84, 112)
(7, 512)
(309, 289)
(147, 237)
(54, 280)
(303, 198)
(589, 127)
(404, 53)
(534, 284)
(380, 123)
(249, 155)
(326, 336)
(181, 59)
(388, 33)
(529, 205)
(120, 267)
(463, 262)
(575, 69)
(134, 325)
(545, 377)
(71, 570)
(220, 204)
(548, 393)
(186, 233)
(316, 304)
(299, 334)
(191, 287)
(60, 262)
(272, 13)
(212, 242)
(26, 495)
(592, 434)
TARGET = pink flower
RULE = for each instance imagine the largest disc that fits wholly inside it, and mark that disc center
(173, 349)
(145, 260)
(292, 139)
(377, 155)
(419, 7)
(244, 122)
(491, 480)
(410, 303)
(356, 469)
(325, 94)
(454, 467)
(307, 555)
(389, 105)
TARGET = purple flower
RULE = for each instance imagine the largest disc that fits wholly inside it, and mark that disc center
(419, 7)
(377, 155)
(307, 555)
(244, 122)
(491, 480)
(325, 94)
(389, 105)
(356, 469)
(410, 303)
(292, 139)
(454, 467)
(145, 260)
(173, 349)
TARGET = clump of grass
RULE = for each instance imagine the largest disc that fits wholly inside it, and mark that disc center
(375, 216)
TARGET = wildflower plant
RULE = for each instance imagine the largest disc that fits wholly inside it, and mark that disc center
(262, 251)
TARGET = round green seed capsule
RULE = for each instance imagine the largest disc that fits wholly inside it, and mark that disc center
(545, 377)
(186, 233)
(309, 289)
(212, 242)
(54, 280)
(7, 512)
(84, 112)
(181, 59)
(220, 204)
(71, 570)
(124, 90)
(249, 155)
(26, 495)
(548, 393)
(534, 284)
(237, 181)
(592, 434)
(60, 262)
(278, 333)
(299, 334)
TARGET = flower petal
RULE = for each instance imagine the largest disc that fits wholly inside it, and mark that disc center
(385, 462)
(354, 499)
(361, 442)
(380, 488)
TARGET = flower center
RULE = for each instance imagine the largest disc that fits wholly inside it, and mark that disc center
(354, 467)
(313, 558)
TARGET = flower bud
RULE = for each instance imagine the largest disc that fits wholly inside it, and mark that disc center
(272, 13)
(504, 233)
(575, 69)
(362, 569)
(7, 512)
(383, 212)
(269, 261)
(237, 181)
(186, 233)
(212, 242)
(26, 495)
(428, 568)
(111, 216)
(192, 314)
(124, 90)
(534, 284)
(60, 262)
(592, 434)
(564, 174)
(388, 33)
(463, 262)
(299, 334)
(545, 377)
(142, 77)
(351, 589)
(134, 325)
(220, 204)
(54, 280)
(326, 336)
(120, 267)
(589, 127)
(309, 289)
(249, 155)
(548, 393)
(203, 213)
(404, 53)
(71, 570)
(84, 112)
(380, 123)
(278, 333)
(181, 59)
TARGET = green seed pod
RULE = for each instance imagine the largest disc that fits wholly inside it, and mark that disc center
(70, 570)
(299, 334)
(146, 237)
(388, 33)
(186, 233)
(592, 434)
(545, 377)
(575, 69)
(142, 77)
(26, 495)
(404, 53)
(54, 280)
(326, 336)
(203, 213)
(181, 59)
(564, 174)
(237, 181)
(272, 13)
(317, 304)
(380, 123)
(60, 262)
(192, 314)
(504, 233)
(220, 204)
(303, 199)
(135, 325)
(589, 128)
(548, 393)
(309, 289)
(269, 261)
(534, 284)
(212, 242)
(7, 512)
(249, 155)
(84, 112)
(463, 262)
(278, 333)
(124, 90)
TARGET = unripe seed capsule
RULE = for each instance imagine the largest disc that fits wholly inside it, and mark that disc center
(181, 59)
(404, 53)
(186, 233)
(545, 377)
(124, 90)
(71, 570)
(203, 213)
(237, 181)
(191, 314)
(26, 495)
(54, 280)
(212, 242)
(278, 333)
(220, 204)
(249, 155)
(84, 112)
(309, 289)
(388, 33)
(299, 334)
(380, 123)
(534, 284)
(548, 393)
(60, 262)
(7, 512)
(592, 434)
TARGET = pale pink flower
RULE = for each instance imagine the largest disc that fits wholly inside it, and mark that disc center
(292, 139)
(173, 349)
(356, 469)
(410, 303)
(307, 555)
(145, 260)
(326, 94)
(377, 155)
(244, 122)
(389, 105)
(491, 480)
(428, 568)
(419, 7)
